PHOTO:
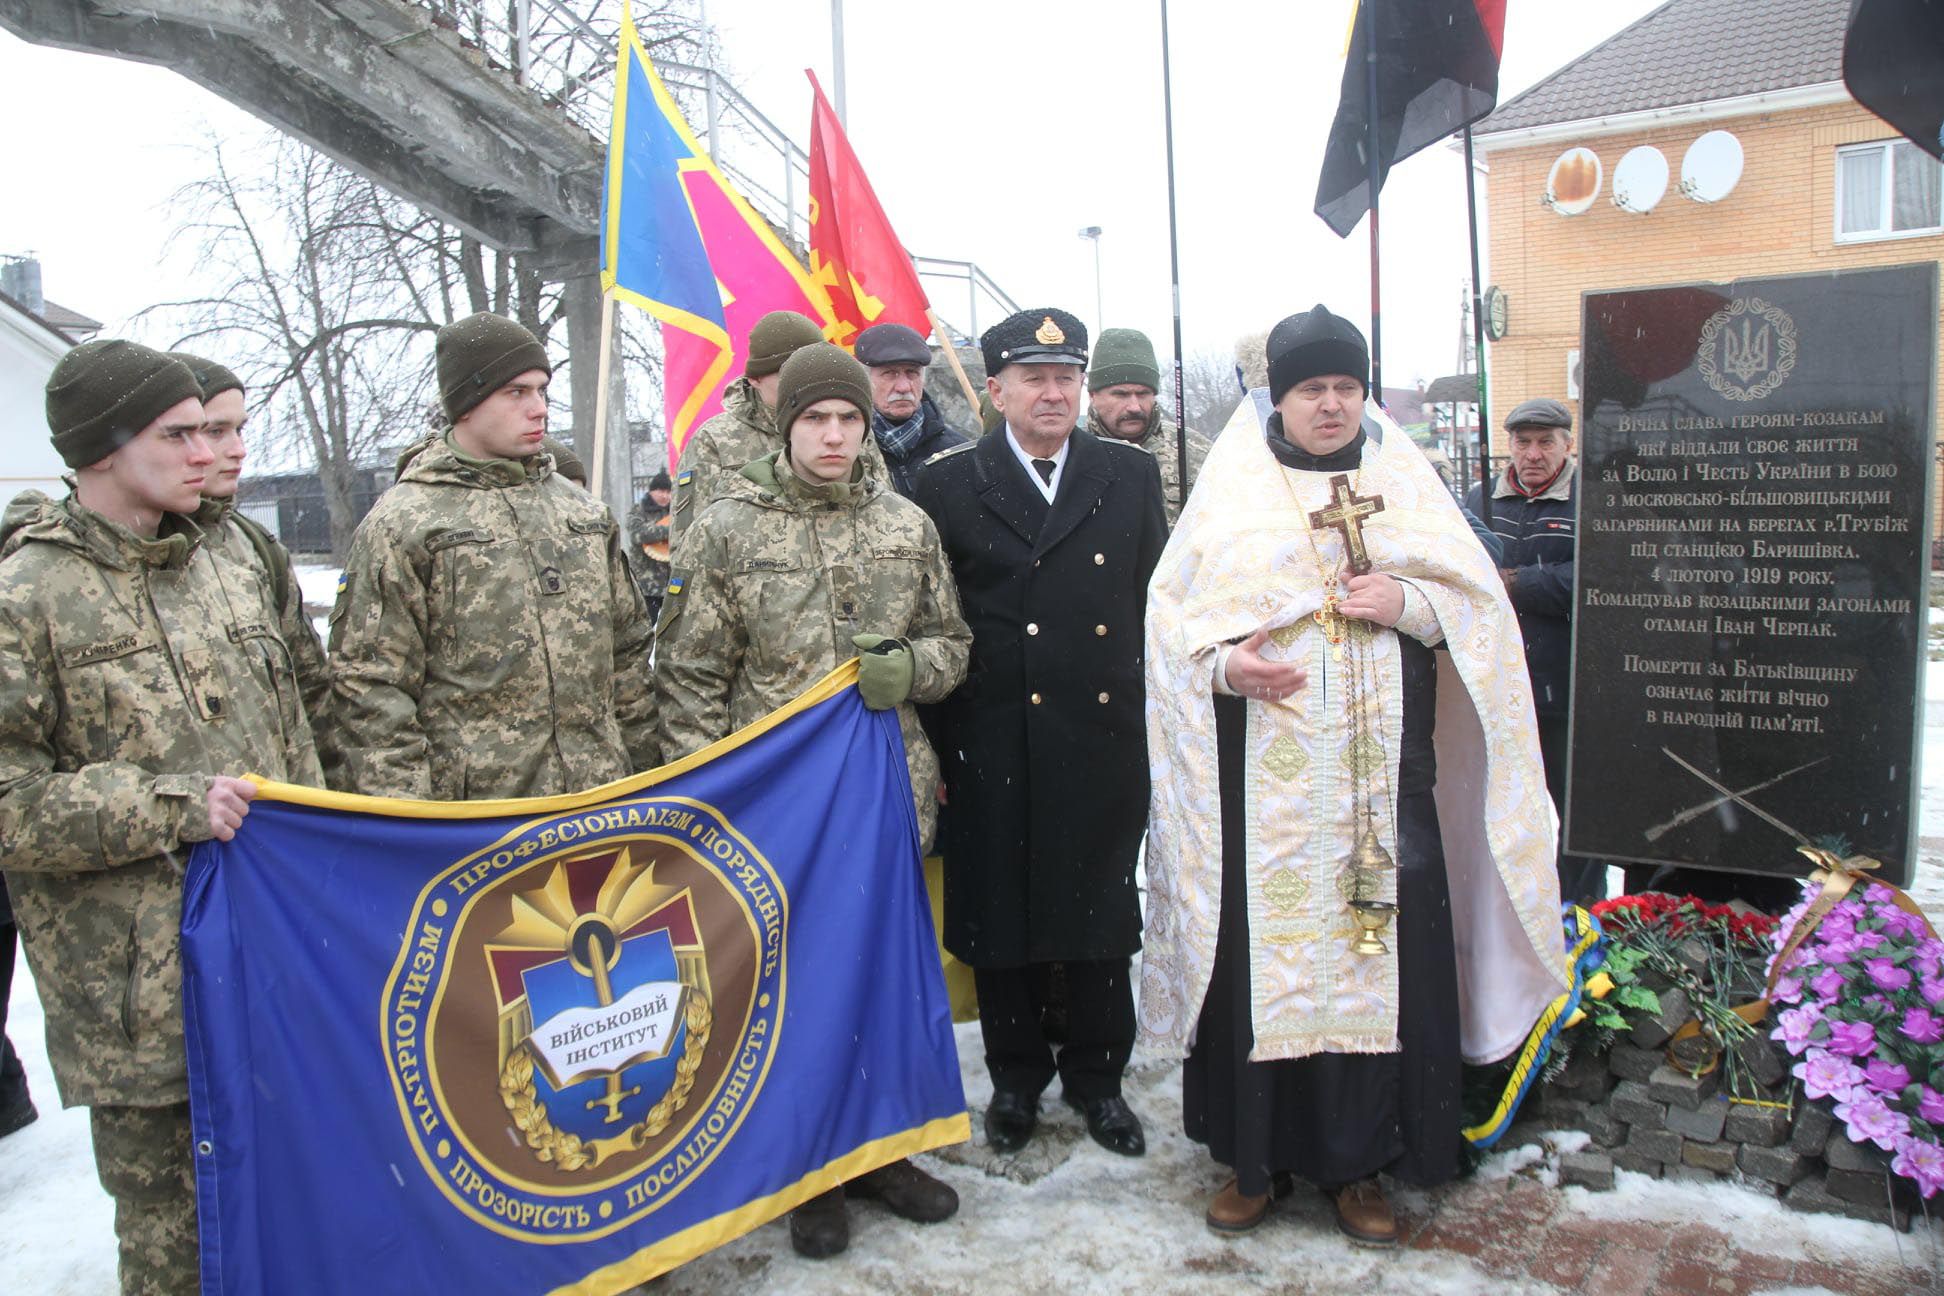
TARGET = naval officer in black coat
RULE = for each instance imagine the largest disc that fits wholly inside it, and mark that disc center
(1052, 534)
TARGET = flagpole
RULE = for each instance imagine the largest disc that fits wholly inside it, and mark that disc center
(1368, 8)
(951, 358)
(1174, 268)
(1478, 343)
(601, 396)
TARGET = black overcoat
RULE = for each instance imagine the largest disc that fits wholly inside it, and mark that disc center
(1044, 747)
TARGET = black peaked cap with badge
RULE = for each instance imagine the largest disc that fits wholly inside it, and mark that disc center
(1046, 335)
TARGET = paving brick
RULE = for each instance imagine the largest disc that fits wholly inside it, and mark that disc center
(1683, 1173)
(1715, 1158)
(1811, 1195)
(1563, 1259)
(1679, 1089)
(1810, 1132)
(1704, 1122)
(1652, 1032)
(1845, 1155)
(1633, 1103)
(1623, 1271)
(1663, 1146)
(1639, 1163)
(1587, 1169)
(1762, 1126)
(1782, 1166)
(1631, 1063)
(1607, 1129)
(1767, 1061)
(1868, 1187)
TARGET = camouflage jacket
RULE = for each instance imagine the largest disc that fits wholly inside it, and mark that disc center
(130, 671)
(237, 538)
(488, 640)
(650, 572)
(744, 432)
(777, 577)
(1159, 441)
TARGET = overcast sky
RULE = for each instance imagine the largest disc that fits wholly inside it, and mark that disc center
(991, 132)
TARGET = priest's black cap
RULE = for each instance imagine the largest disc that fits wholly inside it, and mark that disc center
(1309, 345)
(1047, 335)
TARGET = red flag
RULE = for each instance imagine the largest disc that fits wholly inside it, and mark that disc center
(854, 254)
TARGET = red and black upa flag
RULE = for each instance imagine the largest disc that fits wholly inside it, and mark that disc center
(1437, 72)
(1893, 63)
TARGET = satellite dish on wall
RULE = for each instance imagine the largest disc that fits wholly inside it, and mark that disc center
(1574, 181)
(1640, 180)
(1712, 167)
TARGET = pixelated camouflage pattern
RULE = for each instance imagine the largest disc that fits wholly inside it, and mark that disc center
(650, 573)
(744, 432)
(488, 640)
(144, 1159)
(130, 671)
(1159, 441)
(778, 576)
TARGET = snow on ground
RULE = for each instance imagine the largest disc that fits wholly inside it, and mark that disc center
(1066, 1215)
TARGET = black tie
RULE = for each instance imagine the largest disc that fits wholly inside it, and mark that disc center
(1045, 468)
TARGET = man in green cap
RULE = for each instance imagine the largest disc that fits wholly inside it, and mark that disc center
(488, 641)
(236, 537)
(746, 429)
(840, 564)
(1121, 386)
(133, 697)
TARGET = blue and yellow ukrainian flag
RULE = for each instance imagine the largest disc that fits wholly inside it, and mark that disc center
(564, 1044)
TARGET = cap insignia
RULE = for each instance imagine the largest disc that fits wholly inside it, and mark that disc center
(1049, 332)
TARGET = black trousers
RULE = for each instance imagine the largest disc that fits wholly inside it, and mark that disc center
(13, 1077)
(1099, 1027)
(1582, 878)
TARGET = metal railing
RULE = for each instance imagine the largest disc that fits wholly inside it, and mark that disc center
(563, 52)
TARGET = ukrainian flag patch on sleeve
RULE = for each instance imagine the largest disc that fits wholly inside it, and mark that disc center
(676, 584)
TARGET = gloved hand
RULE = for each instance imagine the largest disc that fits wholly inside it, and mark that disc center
(884, 668)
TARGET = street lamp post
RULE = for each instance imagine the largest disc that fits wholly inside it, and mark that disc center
(1092, 234)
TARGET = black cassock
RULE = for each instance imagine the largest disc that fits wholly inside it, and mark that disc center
(1336, 1118)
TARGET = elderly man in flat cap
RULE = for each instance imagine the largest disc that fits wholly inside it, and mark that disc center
(1535, 515)
(905, 423)
(1052, 533)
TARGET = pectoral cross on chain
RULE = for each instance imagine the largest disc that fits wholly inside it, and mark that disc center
(1346, 513)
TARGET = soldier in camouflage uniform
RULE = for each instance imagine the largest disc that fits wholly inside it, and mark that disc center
(487, 639)
(1121, 386)
(235, 536)
(648, 543)
(802, 562)
(745, 431)
(133, 696)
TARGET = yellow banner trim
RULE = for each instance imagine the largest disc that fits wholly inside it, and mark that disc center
(405, 808)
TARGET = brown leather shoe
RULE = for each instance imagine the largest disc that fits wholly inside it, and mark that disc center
(1232, 1214)
(820, 1228)
(1364, 1216)
(907, 1192)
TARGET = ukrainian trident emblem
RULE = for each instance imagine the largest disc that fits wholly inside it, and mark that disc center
(1747, 350)
(602, 987)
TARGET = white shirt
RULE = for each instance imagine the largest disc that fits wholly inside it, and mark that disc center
(1059, 458)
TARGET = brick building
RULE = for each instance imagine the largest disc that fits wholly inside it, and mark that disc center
(1825, 184)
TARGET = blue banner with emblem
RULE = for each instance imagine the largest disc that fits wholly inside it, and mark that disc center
(562, 1045)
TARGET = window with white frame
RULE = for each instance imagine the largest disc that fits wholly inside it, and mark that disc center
(1888, 189)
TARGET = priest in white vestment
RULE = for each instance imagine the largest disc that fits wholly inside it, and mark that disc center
(1350, 846)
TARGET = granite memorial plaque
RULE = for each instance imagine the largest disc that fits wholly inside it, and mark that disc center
(1750, 606)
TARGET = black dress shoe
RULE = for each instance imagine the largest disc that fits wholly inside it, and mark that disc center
(820, 1228)
(1010, 1119)
(17, 1112)
(1112, 1123)
(906, 1192)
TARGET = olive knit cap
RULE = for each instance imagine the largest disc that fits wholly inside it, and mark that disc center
(103, 393)
(774, 338)
(817, 372)
(480, 354)
(566, 462)
(213, 378)
(1123, 355)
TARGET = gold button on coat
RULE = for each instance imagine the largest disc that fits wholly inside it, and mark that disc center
(1100, 629)
(1100, 560)
(1036, 699)
(1032, 627)
(1103, 697)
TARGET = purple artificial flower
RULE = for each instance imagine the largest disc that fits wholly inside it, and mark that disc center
(1929, 957)
(1794, 1025)
(1788, 990)
(1920, 1160)
(1852, 1039)
(1870, 1119)
(1930, 1105)
(1886, 1077)
(1922, 1027)
(1932, 989)
(1869, 940)
(1839, 925)
(1824, 1075)
(1828, 983)
(1899, 925)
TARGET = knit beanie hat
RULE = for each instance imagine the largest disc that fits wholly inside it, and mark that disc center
(103, 393)
(817, 372)
(480, 354)
(566, 462)
(775, 337)
(213, 378)
(1123, 355)
(1308, 346)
